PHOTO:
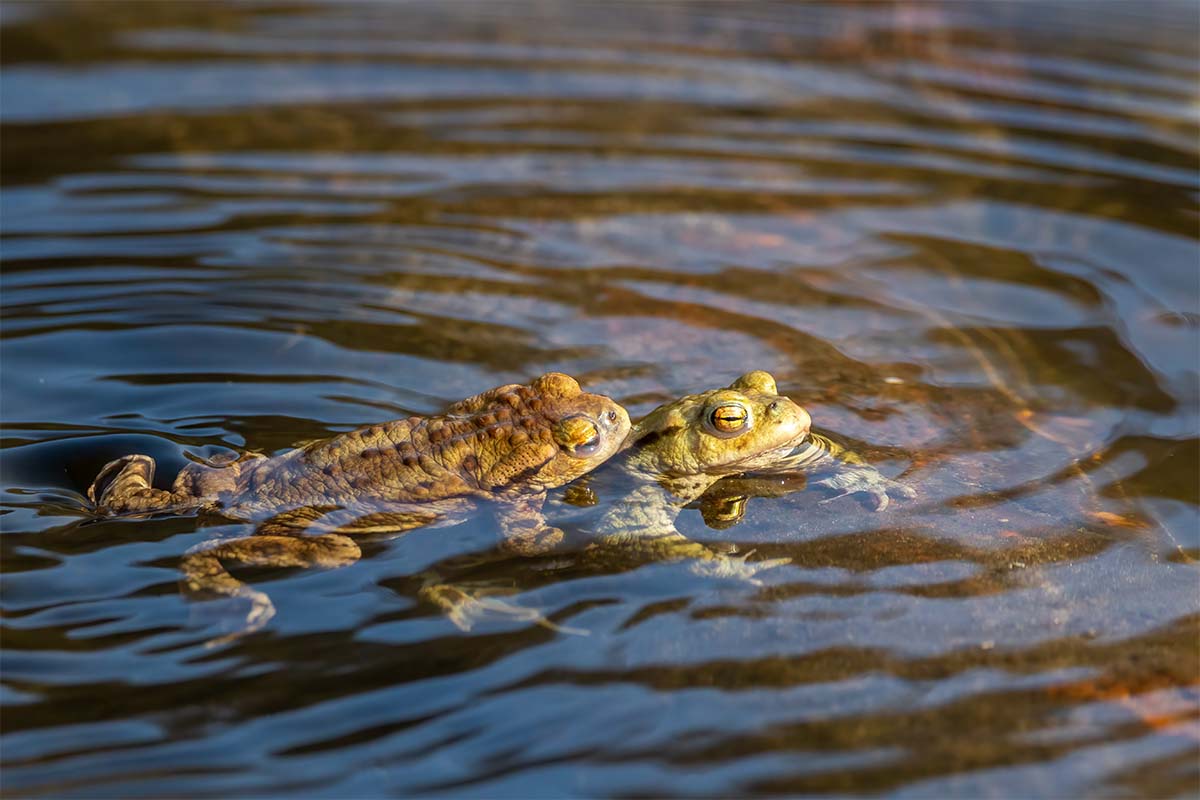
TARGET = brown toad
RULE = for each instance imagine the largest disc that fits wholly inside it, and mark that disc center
(506, 446)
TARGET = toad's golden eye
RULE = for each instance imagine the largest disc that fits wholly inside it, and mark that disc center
(578, 435)
(729, 418)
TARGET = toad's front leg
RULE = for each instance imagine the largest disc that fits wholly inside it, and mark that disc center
(523, 527)
(848, 480)
(523, 532)
(848, 473)
(674, 546)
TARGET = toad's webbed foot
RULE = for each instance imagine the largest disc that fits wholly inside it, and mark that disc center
(737, 567)
(532, 542)
(865, 480)
(260, 613)
(126, 486)
(464, 608)
(523, 528)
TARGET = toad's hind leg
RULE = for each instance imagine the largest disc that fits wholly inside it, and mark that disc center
(464, 604)
(126, 485)
(205, 573)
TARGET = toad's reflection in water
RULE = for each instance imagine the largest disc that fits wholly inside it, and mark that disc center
(723, 505)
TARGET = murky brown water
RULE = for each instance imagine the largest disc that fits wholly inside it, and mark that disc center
(964, 236)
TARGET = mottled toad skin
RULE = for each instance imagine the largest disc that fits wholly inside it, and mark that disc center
(506, 446)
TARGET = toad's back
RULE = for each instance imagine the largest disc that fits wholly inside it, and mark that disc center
(488, 445)
(509, 441)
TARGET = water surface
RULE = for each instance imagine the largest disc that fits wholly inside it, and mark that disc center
(963, 236)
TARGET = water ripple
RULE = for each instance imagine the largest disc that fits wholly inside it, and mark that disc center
(963, 236)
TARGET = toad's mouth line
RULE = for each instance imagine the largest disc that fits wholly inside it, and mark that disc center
(794, 455)
(785, 458)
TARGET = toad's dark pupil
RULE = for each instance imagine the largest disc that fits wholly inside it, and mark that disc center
(730, 419)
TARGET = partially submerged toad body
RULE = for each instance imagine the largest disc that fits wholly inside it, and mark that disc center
(669, 459)
(680, 449)
(506, 446)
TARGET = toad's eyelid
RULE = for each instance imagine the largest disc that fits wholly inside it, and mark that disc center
(589, 446)
(587, 434)
(729, 418)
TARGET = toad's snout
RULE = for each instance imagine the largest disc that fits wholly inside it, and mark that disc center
(615, 420)
(783, 411)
